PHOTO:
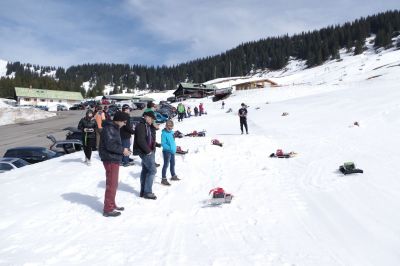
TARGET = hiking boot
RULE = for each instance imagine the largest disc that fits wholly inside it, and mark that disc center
(150, 196)
(111, 214)
(165, 182)
(119, 208)
(141, 194)
(157, 164)
(242, 133)
(175, 178)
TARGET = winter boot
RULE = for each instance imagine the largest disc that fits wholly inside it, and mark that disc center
(175, 178)
(150, 196)
(111, 214)
(165, 182)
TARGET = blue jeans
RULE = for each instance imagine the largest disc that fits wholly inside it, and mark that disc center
(169, 158)
(149, 170)
(126, 143)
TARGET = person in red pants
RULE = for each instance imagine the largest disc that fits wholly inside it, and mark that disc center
(111, 152)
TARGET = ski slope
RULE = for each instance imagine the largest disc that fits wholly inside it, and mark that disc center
(298, 211)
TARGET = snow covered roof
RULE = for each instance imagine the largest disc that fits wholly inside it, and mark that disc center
(48, 94)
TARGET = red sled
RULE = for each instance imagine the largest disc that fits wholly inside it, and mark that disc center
(196, 134)
(216, 142)
(280, 154)
(180, 151)
(219, 196)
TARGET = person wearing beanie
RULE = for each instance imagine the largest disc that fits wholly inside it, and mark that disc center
(126, 132)
(144, 145)
(88, 127)
(111, 152)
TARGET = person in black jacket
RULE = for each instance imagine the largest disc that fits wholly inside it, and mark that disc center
(88, 126)
(111, 152)
(243, 118)
(144, 145)
(126, 133)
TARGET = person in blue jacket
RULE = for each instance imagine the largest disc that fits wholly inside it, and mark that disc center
(169, 149)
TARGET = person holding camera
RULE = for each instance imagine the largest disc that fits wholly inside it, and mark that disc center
(88, 127)
(111, 152)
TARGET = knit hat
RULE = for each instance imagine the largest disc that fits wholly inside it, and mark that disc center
(125, 106)
(150, 114)
(121, 116)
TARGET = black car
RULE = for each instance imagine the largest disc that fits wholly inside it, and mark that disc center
(171, 99)
(77, 107)
(31, 154)
(141, 105)
(73, 133)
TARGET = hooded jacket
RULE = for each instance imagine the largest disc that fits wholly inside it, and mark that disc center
(110, 149)
(168, 141)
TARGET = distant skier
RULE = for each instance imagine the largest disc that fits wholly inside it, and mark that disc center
(243, 118)
(223, 105)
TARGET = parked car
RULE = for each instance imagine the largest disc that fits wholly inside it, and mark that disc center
(90, 104)
(112, 109)
(65, 146)
(73, 133)
(61, 107)
(42, 107)
(8, 163)
(160, 118)
(141, 105)
(77, 106)
(32, 154)
(171, 99)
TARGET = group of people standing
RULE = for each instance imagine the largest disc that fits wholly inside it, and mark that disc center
(114, 150)
(184, 112)
(112, 138)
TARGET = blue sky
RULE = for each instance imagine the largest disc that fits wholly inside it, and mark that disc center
(157, 32)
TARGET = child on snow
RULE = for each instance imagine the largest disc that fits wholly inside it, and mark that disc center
(169, 149)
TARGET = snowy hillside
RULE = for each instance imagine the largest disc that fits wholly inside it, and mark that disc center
(3, 68)
(297, 211)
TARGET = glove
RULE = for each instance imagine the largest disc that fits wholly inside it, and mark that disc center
(158, 145)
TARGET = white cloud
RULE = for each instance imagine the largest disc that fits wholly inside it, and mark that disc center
(63, 33)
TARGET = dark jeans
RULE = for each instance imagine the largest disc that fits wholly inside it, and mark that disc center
(169, 158)
(126, 143)
(89, 145)
(180, 116)
(243, 122)
(112, 171)
(149, 170)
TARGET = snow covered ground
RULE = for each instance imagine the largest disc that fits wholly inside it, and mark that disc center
(11, 115)
(298, 211)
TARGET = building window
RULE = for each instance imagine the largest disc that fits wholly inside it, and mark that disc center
(27, 99)
(35, 99)
(51, 101)
(42, 100)
(59, 101)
